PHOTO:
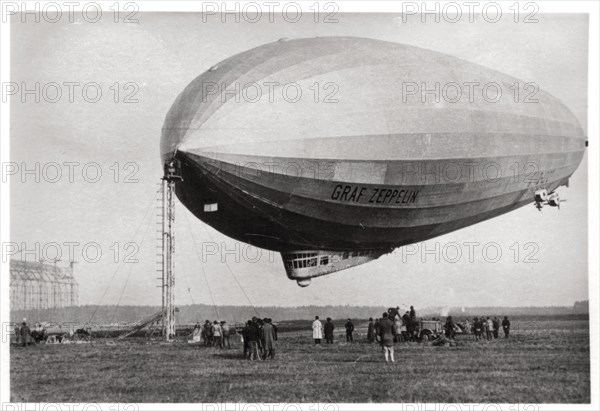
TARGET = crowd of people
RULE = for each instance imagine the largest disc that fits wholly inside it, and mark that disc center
(215, 334)
(24, 335)
(487, 328)
(259, 335)
(393, 327)
(259, 339)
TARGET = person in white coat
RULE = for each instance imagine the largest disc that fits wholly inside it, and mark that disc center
(317, 328)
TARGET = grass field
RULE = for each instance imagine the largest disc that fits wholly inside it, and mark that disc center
(547, 362)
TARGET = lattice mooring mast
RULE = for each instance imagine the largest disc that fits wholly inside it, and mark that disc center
(171, 176)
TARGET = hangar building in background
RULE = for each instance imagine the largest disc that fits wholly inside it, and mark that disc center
(39, 285)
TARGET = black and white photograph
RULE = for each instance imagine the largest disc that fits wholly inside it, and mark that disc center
(318, 205)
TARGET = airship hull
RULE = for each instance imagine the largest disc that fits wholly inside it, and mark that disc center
(369, 172)
(265, 209)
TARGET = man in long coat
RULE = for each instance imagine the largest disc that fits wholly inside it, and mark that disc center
(386, 333)
(268, 335)
(254, 339)
(25, 334)
(410, 326)
(245, 336)
(506, 326)
(329, 327)
(371, 331)
(317, 328)
(496, 323)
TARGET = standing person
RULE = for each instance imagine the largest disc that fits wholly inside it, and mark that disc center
(17, 331)
(506, 326)
(274, 329)
(25, 333)
(253, 340)
(225, 338)
(371, 331)
(259, 324)
(397, 319)
(205, 332)
(317, 328)
(210, 333)
(483, 328)
(349, 330)
(377, 330)
(410, 326)
(268, 339)
(413, 314)
(217, 333)
(496, 324)
(449, 328)
(245, 337)
(386, 332)
(476, 328)
(489, 328)
(329, 327)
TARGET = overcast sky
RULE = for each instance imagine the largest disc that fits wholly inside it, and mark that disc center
(161, 55)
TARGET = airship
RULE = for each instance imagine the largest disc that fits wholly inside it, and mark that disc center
(334, 151)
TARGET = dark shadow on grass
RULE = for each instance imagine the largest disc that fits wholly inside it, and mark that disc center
(229, 355)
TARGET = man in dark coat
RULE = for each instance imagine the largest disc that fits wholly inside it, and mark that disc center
(496, 325)
(245, 336)
(253, 339)
(208, 333)
(349, 330)
(329, 327)
(506, 326)
(386, 333)
(410, 326)
(449, 328)
(371, 331)
(25, 334)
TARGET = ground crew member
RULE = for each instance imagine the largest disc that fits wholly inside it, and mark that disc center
(245, 336)
(217, 332)
(208, 333)
(225, 329)
(371, 331)
(506, 326)
(317, 328)
(410, 326)
(253, 339)
(329, 327)
(489, 327)
(386, 333)
(268, 335)
(25, 333)
(349, 330)
(496, 323)
(274, 328)
(449, 328)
